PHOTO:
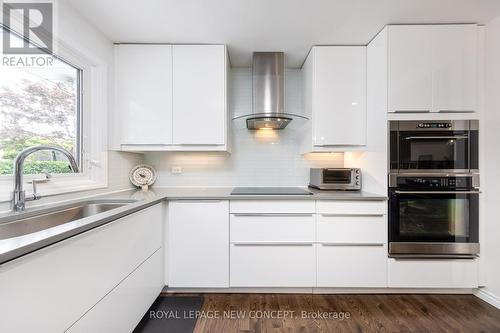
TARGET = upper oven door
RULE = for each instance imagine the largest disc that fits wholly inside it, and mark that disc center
(437, 149)
(447, 150)
(434, 216)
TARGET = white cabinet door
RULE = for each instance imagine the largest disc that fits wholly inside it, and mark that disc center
(410, 68)
(199, 94)
(351, 228)
(339, 96)
(122, 309)
(454, 65)
(199, 244)
(351, 266)
(143, 93)
(273, 265)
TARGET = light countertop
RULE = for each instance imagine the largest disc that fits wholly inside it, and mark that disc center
(224, 193)
(12, 248)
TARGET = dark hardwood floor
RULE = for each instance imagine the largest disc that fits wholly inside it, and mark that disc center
(368, 313)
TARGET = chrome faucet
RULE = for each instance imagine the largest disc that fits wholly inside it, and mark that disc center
(19, 197)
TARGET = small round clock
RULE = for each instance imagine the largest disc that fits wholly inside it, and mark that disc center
(142, 176)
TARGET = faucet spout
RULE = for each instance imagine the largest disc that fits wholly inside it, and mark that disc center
(19, 195)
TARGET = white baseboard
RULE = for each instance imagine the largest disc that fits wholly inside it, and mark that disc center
(392, 291)
(320, 290)
(488, 297)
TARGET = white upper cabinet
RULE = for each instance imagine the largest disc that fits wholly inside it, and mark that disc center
(432, 68)
(454, 55)
(410, 68)
(199, 94)
(335, 97)
(143, 95)
(171, 97)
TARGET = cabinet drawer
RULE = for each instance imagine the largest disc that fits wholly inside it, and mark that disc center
(407, 273)
(272, 206)
(275, 265)
(351, 207)
(122, 309)
(352, 228)
(272, 227)
(351, 266)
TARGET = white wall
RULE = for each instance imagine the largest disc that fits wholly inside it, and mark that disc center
(258, 158)
(490, 178)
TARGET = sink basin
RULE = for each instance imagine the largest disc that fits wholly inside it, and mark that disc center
(30, 222)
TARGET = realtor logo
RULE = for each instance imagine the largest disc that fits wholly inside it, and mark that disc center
(34, 21)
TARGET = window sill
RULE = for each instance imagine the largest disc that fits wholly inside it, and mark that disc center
(54, 188)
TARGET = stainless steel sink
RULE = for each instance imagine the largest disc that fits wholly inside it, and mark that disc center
(30, 222)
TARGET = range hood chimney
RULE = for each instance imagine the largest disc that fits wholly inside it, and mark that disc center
(268, 89)
(268, 83)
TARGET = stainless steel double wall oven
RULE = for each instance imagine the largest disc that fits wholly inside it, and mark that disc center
(434, 189)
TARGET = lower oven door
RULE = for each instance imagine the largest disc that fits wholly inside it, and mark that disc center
(433, 223)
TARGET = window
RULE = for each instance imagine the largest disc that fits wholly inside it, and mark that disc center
(38, 106)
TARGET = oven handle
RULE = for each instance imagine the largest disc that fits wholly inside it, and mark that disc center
(437, 192)
(437, 137)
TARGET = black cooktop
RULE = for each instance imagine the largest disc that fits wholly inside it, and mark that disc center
(270, 191)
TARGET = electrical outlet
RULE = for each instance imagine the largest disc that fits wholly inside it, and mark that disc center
(176, 170)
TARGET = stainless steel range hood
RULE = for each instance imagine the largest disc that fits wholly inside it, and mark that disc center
(268, 84)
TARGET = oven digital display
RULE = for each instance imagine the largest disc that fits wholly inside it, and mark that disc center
(434, 125)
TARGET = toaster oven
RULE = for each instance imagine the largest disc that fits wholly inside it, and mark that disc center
(335, 179)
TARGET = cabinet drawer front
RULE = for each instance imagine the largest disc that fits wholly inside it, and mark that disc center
(122, 309)
(351, 228)
(272, 227)
(272, 206)
(433, 273)
(352, 266)
(351, 207)
(273, 265)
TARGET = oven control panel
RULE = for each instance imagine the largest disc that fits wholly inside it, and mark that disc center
(435, 182)
(434, 125)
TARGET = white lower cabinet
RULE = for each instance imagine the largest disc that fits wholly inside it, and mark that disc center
(359, 229)
(352, 244)
(122, 309)
(414, 273)
(198, 244)
(351, 266)
(295, 244)
(272, 243)
(50, 289)
(351, 207)
(272, 228)
(273, 265)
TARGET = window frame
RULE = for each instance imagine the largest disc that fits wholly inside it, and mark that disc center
(91, 129)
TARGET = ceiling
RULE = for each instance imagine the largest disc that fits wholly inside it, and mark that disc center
(291, 26)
